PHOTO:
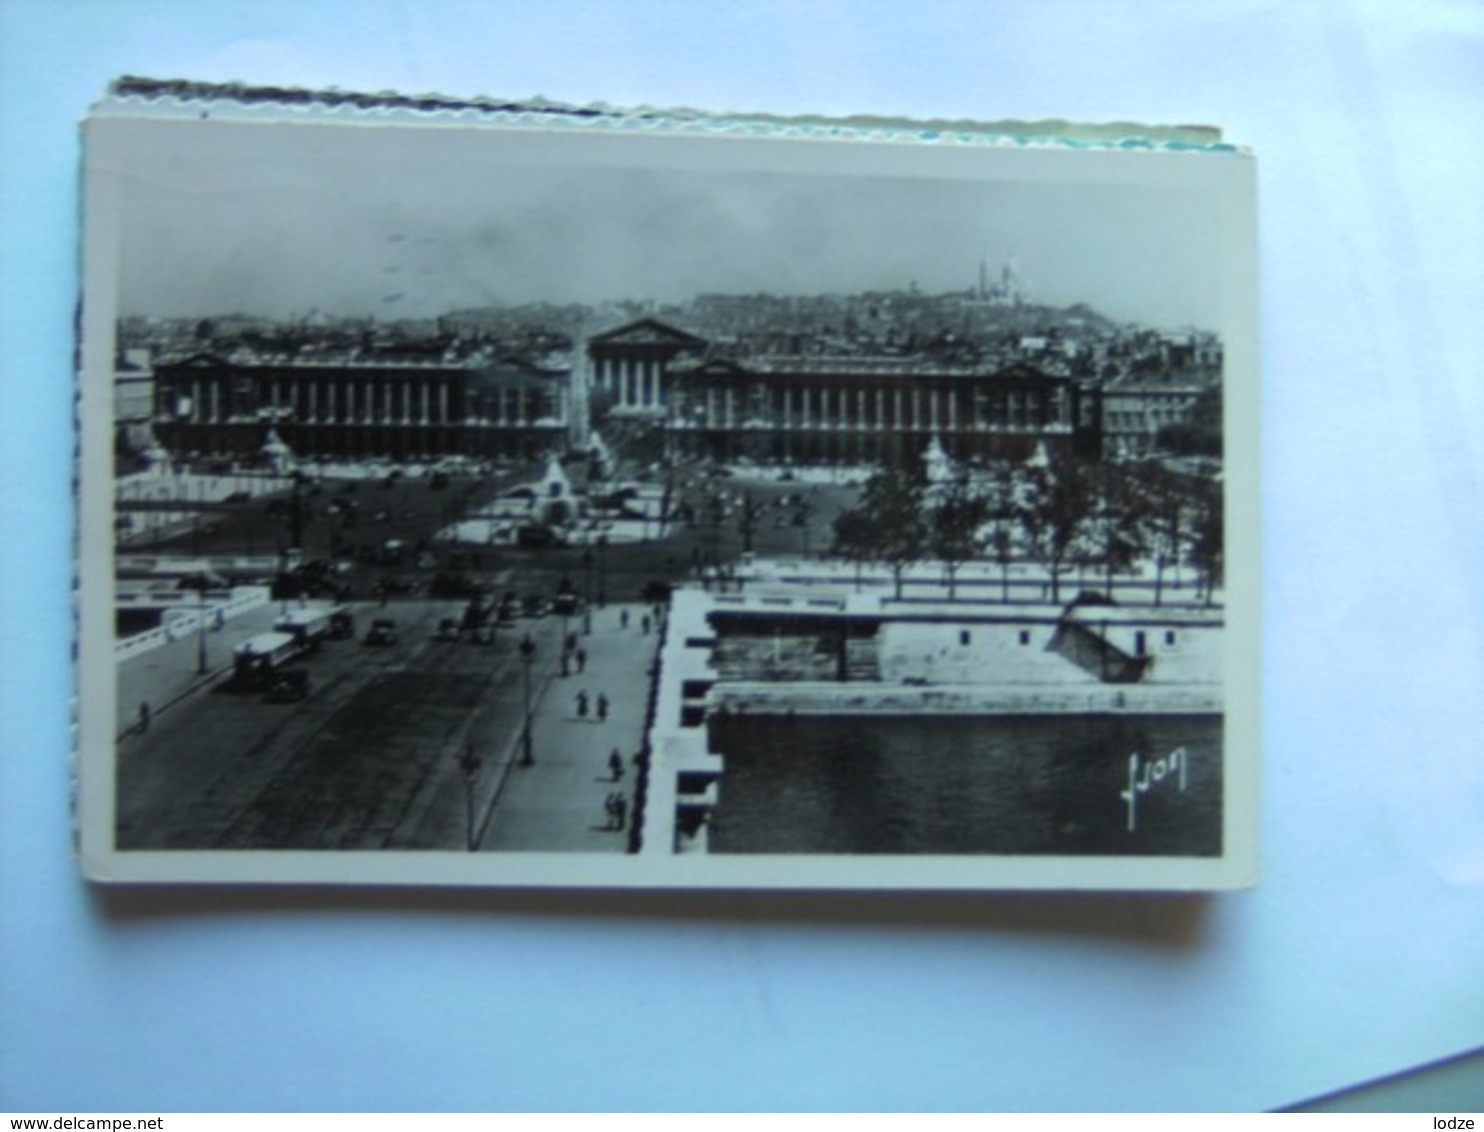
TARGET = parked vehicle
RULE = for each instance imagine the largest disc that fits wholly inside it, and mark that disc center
(383, 632)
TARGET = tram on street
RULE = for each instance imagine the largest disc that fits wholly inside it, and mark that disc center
(257, 661)
(311, 624)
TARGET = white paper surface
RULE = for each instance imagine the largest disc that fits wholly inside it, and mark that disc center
(1357, 956)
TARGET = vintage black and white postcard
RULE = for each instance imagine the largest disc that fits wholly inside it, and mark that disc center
(476, 494)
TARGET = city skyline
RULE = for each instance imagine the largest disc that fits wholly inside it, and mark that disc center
(338, 229)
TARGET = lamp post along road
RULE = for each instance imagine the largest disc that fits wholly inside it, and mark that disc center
(587, 591)
(565, 597)
(527, 658)
(801, 519)
(469, 764)
(201, 628)
(602, 572)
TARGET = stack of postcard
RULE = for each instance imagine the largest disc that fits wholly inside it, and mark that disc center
(477, 492)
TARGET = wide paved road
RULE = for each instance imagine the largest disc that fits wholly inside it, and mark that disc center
(369, 760)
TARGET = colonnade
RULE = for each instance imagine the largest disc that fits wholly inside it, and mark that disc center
(848, 406)
(324, 399)
(352, 400)
(633, 383)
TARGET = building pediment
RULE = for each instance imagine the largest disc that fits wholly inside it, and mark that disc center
(647, 332)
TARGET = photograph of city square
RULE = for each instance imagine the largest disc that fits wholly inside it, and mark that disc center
(668, 499)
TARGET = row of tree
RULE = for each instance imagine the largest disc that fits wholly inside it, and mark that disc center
(1064, 514)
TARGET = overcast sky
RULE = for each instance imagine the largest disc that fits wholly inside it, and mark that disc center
(352, 228)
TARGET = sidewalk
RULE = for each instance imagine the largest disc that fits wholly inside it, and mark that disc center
(557, 804)
(167, 674)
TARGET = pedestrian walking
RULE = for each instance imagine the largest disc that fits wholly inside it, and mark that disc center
(144, 717)
(623, 619)
(582, 705)
(602, 707)
(618, 810)
(644, 624)
(615, 764)
(581, 659)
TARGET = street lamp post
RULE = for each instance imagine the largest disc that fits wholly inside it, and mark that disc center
(527, 658)
(195, 517)
(748, 523)
(718, 513)
(587, 591)
(566, 597)
(201, 628)
(469, 764)
(602, 572)
(297, 516)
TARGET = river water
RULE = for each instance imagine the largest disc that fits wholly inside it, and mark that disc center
(999, 785)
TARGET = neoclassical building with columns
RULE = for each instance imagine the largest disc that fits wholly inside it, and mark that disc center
(362, 408)
(706, 404)
(834, 409)
(630, 365)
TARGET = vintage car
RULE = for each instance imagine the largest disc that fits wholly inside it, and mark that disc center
(383, 631)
